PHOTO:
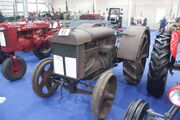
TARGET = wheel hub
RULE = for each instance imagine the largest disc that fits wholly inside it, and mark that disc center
(16, 68)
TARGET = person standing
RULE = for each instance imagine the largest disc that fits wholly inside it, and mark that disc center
(2, 19)
(163, 23)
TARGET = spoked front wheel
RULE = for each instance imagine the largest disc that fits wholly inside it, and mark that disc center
(103, 95)
(42, 83)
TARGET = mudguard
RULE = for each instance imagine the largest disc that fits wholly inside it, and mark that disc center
(174, 43)
(131, 41)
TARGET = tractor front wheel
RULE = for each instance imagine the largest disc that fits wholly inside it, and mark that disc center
(43, 51)
(103, 95)
(14, 68)
(42, 83)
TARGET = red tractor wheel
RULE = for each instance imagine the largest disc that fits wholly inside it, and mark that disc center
(43, 51)
(14, 69)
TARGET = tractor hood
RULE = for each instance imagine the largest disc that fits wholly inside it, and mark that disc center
(21, 26)
(82, 35)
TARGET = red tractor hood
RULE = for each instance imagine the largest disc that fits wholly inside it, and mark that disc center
(23, 26)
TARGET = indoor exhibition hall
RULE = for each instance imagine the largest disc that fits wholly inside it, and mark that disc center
(89, 59)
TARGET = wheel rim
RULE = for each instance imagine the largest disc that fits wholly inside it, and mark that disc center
(108, 97)
(16, 68)
(44, 83)
(46, 47)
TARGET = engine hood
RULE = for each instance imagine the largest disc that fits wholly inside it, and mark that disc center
(81, 35)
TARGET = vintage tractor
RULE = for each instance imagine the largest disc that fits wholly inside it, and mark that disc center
(24, 36)
(84, 54)
(91, 17)
(163, 58)
(115, 16)
(139, 21)
(139, 109)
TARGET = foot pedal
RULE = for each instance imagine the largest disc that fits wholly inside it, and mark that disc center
(61, 95)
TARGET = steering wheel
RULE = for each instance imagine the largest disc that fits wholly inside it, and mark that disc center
(48, 19)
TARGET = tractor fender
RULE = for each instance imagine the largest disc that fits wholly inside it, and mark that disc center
(131, 42)
(174, 43)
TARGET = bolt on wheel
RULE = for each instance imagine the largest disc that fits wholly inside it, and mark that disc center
(103, 95)
(42, 83)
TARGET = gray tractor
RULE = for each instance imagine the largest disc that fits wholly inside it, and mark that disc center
(86, 53)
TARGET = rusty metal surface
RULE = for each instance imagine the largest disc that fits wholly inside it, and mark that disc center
(131, 42)
(103, 95)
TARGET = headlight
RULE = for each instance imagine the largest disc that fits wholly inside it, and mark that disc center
(174, 95)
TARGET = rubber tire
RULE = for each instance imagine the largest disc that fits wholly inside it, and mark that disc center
(132, 70)
(145, 22)
(6, 66)
(38, 53)
(35, 81)
(158, 66)
(98, 92)
(136, 110)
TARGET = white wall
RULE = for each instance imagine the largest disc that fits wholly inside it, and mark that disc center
(73, 5)
(148, 8)
(15, 7)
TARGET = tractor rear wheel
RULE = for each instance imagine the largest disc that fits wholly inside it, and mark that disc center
(133, 70)
(43, 51)
(137, 110)
(14, 69)
(103, 95)
(158, 66)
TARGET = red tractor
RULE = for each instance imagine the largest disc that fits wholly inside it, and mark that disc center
(91, 17)
(24, 36)
(163, 58)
